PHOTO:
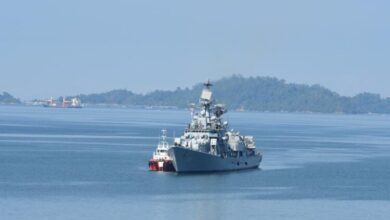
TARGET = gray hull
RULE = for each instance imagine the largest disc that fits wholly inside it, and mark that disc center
(187, 160)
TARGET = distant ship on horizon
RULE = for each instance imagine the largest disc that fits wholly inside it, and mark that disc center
(73, 103)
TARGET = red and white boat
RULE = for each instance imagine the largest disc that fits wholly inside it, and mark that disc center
(160, 160)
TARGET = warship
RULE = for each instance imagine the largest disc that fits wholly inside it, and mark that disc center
(208, 145)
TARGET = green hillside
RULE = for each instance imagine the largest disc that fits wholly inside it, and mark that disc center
(253, 93)
(7, 98)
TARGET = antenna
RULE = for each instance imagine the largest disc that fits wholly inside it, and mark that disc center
(207, 84)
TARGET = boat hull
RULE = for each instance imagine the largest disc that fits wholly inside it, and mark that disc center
(61, 106)
(161, 165)
(187, 160)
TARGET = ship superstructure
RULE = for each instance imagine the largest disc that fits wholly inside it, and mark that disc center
(208, 145)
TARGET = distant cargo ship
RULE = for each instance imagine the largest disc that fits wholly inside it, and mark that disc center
(73, 103)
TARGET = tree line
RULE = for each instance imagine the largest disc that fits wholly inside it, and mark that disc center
(254, 94)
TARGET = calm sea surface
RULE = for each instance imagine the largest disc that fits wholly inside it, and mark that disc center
(92, 164)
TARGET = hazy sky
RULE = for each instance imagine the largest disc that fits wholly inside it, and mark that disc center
(51, 48)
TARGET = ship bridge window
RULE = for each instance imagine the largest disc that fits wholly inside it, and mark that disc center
(240, 153)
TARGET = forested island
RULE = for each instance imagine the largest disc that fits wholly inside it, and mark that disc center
(266, 94)
(7, 98)
(253, 94)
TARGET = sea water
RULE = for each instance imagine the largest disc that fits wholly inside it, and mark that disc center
(92, 163)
